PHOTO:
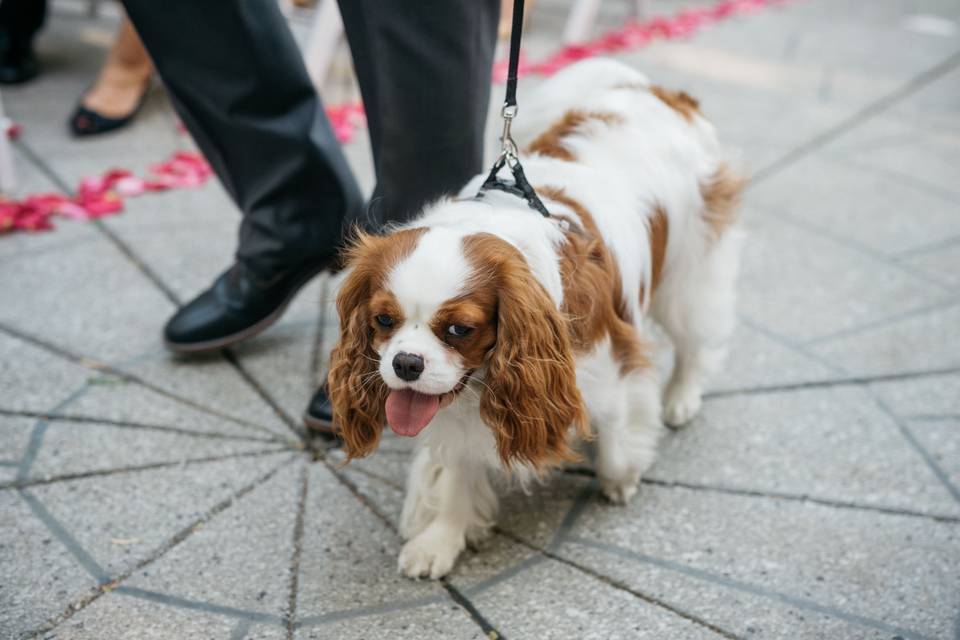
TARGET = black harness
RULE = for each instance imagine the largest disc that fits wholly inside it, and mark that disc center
(519, 186)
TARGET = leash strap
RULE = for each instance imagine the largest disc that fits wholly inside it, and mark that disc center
(508, 152)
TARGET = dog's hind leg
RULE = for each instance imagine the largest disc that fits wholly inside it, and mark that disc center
(695, 304)
(447, 505)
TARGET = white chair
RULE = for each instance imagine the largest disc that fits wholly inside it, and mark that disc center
(325, 35)
(583, 16)
(8, 176)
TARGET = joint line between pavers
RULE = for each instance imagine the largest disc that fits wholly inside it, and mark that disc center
(122, 424)
(866, 327)
(789, 344)
(155, 279)
(848, 124)
(620, 586)
(70, 543)
(231, 357)
(859, 248)
(158, 553)
(836, 382)
(243, 615)
(452, 592)
(918, 447)
(478, 618)
(776, 495)
(745, 587)
(39, 430)
(298, 527)
(104, 368)
(905, 179)
(99, 473)
(926, 249)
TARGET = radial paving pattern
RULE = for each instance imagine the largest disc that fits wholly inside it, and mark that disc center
(817, 496)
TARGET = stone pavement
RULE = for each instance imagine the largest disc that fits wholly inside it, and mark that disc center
(817, 496)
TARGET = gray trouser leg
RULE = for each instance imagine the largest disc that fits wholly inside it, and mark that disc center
(424, 70)
(239, 83)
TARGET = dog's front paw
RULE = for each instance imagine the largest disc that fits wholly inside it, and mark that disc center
(431, 554)
(619, 490)
(682, 404)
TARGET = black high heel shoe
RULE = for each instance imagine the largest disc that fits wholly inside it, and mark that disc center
(87, 122)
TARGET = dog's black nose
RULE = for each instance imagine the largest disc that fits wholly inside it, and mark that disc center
(407, 366)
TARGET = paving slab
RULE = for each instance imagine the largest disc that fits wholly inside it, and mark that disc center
(822, 509)
(571, 604)
(818, 559)
(866, 207)
(111, 524)
(234, 572)
(832, 444)
(911, 339)
(349, 547)
(116, 400)
(33, 379)
(53, 448)
(37, 576)
(803, 285)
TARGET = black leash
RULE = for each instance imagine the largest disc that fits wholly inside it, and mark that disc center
(508, 152)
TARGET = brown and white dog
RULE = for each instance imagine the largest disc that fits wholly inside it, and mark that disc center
(494, 334)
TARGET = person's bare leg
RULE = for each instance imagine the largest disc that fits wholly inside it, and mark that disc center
(123, 78)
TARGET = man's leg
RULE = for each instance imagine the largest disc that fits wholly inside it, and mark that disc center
(424, 69)
(19, 22)
(238, 81)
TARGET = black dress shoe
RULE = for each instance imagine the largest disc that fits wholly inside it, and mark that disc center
(237, 307)
(319, 414)
(17, 61)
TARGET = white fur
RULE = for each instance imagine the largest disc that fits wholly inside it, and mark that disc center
(651, 157)
(435, 272)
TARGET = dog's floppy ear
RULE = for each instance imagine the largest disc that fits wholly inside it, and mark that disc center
(531, 397)
(356, 390)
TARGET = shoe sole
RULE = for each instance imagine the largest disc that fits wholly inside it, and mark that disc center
(240, 336)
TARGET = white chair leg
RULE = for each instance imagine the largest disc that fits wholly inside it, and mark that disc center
(580, 22)
(640, 9)
(8, 176)
(324, 38)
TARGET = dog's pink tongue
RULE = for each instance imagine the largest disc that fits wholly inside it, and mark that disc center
(408, 412)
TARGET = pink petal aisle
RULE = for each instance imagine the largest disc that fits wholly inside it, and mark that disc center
(104, 195)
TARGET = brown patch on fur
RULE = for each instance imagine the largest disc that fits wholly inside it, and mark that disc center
(477, 310)
(679, 101)
(356, 390)
(721, 196)
(592, 295)
(659, 234)
(530, 396)
(550, 142)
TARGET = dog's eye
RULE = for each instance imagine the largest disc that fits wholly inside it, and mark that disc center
(384, 320)
(458, 330)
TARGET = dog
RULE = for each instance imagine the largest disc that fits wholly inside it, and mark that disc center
(496, 335)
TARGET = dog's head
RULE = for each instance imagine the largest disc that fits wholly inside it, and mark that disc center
(423, 312)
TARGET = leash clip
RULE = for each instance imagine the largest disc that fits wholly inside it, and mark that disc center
(509, 153)
(508, 148)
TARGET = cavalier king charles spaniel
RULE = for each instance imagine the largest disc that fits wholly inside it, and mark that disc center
(495, 335)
